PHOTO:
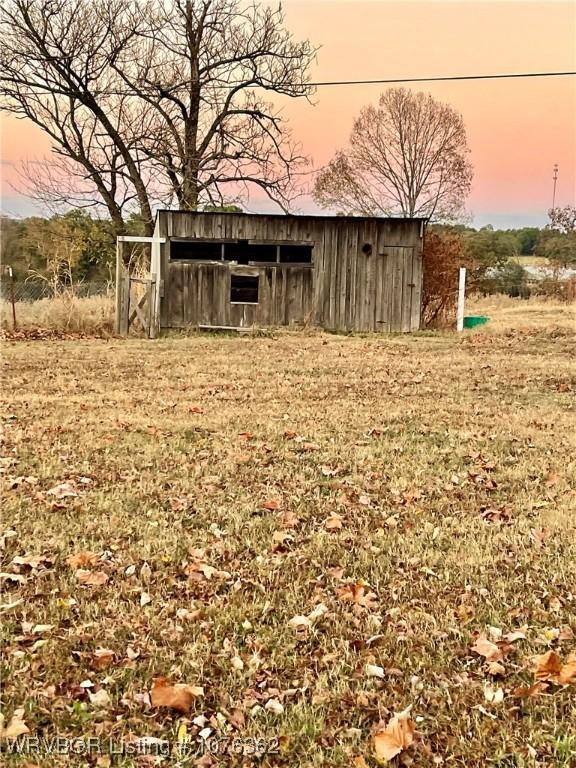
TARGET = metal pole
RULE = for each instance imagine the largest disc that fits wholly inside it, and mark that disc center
(461, 297)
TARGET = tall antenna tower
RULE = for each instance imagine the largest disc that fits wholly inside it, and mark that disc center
(555, 178)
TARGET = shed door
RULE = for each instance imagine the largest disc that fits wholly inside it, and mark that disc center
(398, 289)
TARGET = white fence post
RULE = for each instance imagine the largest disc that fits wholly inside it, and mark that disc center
(461, 299)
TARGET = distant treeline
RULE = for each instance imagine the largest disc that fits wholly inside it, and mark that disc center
(75, 247)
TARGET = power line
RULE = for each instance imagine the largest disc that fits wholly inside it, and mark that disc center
(443, 79)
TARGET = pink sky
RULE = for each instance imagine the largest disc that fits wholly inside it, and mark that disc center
(517, 129)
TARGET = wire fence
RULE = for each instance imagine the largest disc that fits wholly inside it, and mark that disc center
(35, 290)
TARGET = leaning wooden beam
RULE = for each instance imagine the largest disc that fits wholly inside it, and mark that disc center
(136, 307)
(137, 239)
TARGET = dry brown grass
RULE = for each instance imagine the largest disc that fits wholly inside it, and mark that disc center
(450, 461)
(508, 314)
(66, 313)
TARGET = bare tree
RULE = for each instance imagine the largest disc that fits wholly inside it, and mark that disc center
(408, 156)
(202, 68)
(161, 95)
(54, 61)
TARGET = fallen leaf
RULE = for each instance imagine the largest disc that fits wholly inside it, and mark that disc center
(300, 622)
(184, 614)
(273, 705)
(567, 674)
(9, 606)
(102, 658)
(16, 727)
(180, 697)
(547, 666)
(91, 578)
(305, 622)
(100, 699)
(17, 578)
(397, 736)
(493, 695)
(205, 570)
(333, 522)
(62, 491)
(32, 561)
(488, 649)
(358, 593)
(494, 668)
(39, 629)
(272, 505)
(281, 537)
(527, 691)
(552, 478)
(289, 519)
(373, 670)
(145, 599)
(82, 560)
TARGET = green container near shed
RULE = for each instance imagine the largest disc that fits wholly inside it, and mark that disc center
(471, 321)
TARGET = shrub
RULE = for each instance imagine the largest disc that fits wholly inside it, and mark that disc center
(443, 256)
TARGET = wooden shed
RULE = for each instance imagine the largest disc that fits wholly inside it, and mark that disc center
(233, 270)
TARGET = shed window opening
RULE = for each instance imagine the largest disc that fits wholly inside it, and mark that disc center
(244, 252)
(196, 250)
(295, 254)
(240, 252)
(244, 289)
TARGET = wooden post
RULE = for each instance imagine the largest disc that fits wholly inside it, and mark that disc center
(119, 275)
(152, 309)
(461, 299)
(124, 304)
(12, 297)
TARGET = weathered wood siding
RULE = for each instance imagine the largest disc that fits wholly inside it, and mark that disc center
(366, 273)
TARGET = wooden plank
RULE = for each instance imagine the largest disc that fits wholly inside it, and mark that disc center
(135, 239)
(331, 275)
(396, 319)
(369, 294)
(417, 276)
(381, 311)
(119, 271)
(153, 311)
(388, 273)
(379, 292)
(360, 288)
(124, 305)
(406, 288)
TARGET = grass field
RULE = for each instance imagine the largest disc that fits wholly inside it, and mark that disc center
(312, 531)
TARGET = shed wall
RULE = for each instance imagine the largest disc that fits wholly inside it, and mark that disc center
(366, 274)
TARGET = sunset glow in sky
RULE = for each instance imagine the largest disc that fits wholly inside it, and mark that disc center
(517, 129)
